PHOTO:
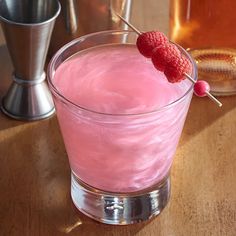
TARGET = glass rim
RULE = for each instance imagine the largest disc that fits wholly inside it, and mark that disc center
(57, 93)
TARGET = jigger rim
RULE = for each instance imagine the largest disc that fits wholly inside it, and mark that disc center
(34, 24)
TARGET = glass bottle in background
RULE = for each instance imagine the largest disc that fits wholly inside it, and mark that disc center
(207, 29)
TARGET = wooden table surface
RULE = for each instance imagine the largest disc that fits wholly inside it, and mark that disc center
(35, 175)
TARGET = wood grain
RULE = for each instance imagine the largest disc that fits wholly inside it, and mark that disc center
(35, 176)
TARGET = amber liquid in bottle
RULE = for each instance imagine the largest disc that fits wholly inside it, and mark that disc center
(207, 29)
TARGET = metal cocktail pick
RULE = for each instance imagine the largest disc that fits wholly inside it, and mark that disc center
(27, 26)
(185, 74)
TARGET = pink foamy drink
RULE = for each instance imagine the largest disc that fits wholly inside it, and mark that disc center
(125, 119)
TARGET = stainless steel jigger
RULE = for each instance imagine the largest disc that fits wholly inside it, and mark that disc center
(27, 26)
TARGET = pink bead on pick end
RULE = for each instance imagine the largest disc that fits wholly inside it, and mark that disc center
(201, 88)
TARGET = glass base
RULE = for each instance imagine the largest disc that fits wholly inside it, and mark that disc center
(120, 208)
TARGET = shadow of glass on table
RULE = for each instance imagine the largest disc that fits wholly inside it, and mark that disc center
(203, 113)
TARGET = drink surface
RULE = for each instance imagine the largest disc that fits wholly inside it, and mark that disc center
(123, 151)
(116, 80)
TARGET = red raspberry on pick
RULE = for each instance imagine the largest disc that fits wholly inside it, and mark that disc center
(176, 68)
(147, 41)
(163, 55)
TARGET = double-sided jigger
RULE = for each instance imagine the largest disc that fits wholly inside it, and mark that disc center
(27, 27)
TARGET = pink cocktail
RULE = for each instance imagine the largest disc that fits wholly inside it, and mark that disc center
(121, 121)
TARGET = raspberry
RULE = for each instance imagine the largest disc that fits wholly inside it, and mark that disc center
(163, 55)
(176, 68)
(147, 41)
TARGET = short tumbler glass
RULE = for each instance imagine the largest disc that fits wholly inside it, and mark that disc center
(120, 164)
